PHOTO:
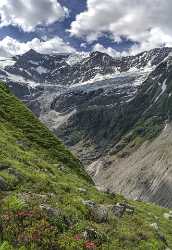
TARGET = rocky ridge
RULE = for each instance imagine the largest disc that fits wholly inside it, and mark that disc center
(104, 109)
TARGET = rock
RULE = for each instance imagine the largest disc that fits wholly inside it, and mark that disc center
(106, 190)
(120, 208)
(3, 184)
(23, 144)
(68, 222)
(82, 190)
(99, 213)
(3, 166)
(90, 234)
(101, 189)
(56, 213)
(62, 168)
(154, 226)
(14, 172)
(162, 238)
(89, 203)
(52, 212)
(168, 216)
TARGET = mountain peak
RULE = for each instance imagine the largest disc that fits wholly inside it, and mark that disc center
(31, 52)
(98, 53)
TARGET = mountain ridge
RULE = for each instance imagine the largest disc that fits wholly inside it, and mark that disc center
(107, 111)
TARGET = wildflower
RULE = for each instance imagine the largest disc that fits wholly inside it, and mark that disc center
(24, 214)
(90, 245)
(77, 237)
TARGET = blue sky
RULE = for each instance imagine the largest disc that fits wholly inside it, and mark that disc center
(117, 27)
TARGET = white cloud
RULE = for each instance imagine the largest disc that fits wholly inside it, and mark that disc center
(10, 46)
(146, 22)
(110, 51)
(27, 14)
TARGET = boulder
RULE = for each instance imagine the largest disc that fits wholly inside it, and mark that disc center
(100, 213)
(62, 168)
(3, 166)
(3, 184)
(121, 208)
(118, 210)
(168, 216)
(51, 212)
(154, 226)
(16, 173)
(90, 234)
(82, 190)
(89, 203)
(162, 238)
(24, 145)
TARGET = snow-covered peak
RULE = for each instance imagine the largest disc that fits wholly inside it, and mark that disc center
(76, 58)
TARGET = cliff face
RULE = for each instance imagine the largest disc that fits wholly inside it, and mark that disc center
(138, 165)
(145, 174)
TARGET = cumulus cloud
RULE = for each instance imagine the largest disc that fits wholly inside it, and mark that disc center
(11, 47)
(110, 51)
(148, 23)
(27, 14)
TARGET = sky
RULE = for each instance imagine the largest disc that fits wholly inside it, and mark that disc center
(116, 27)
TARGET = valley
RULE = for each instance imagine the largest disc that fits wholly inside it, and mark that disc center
(105, 110)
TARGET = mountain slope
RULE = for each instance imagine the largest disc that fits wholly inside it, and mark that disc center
(141, 158)
(48, 202)
(103, 109)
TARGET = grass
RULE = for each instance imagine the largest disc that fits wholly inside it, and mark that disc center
(42, 205)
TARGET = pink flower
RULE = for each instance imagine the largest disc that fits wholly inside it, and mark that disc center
(90, 245)
(77, 237)
(24, 214)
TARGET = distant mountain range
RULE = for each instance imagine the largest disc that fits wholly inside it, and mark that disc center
(114, 113)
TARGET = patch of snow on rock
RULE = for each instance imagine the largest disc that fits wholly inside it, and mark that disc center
(33, 62)
(76, 58)
(41, 70)
(163, 89)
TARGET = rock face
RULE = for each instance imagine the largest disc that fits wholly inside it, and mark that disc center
(112, 112)
(139, 164)
(3, 184)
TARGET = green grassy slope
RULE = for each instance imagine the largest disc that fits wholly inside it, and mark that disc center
(43, 191)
